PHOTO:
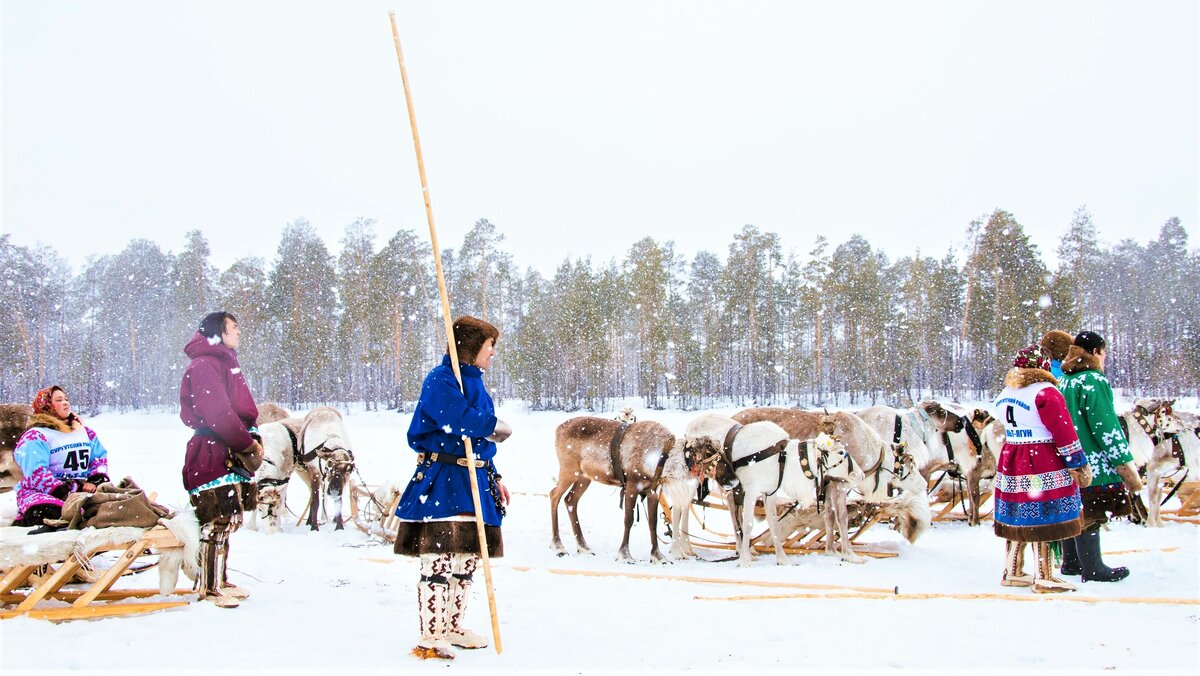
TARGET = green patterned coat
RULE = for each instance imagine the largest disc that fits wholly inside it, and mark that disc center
(1090, 401)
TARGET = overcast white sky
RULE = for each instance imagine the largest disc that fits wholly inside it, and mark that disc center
(579, 128)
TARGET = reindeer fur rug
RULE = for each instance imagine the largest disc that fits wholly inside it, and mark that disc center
(19, 548)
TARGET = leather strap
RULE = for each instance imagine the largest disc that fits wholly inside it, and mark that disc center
(973, 436)
(614, 453)
(447, 459)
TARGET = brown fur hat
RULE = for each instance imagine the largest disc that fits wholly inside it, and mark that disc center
(1057, 343)
(1079, 359)
(470, 333)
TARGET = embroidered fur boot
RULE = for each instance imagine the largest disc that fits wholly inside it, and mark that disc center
(1046, 582)
(433, 596)
(1014, 565)
(460, 593)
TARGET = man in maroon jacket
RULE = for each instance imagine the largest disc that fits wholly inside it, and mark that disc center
(223, 453)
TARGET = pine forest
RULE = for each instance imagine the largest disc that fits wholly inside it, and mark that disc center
(839, 323)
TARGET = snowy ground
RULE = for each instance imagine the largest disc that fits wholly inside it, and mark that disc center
(339, 602)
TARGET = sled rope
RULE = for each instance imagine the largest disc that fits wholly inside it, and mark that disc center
(964, 597)
(702, 580)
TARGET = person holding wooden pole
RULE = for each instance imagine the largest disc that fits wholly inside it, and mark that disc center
(436, 510)
(476, 340)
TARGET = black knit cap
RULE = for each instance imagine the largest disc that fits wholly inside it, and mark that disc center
(1089, 340)
(213, 324)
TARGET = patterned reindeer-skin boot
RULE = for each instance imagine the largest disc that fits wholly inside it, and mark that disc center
(460, 593)
(1014, 566)
(433, 596)
(212, 562)
(1046, 581)
(227, 587)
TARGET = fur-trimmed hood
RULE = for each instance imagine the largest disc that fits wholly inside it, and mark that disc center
(1079, 360)
(1018, 377)
(56, 424)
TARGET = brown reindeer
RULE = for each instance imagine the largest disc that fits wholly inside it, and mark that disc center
(14, 418)
(650, 459)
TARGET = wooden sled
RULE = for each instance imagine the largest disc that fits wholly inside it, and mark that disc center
(97, 600)
(371, 516)
(955, 509)
(1189, 500)
(803, 539)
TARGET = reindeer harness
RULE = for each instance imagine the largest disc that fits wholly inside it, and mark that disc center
(900, 456)
(614, 453)
(296, 459)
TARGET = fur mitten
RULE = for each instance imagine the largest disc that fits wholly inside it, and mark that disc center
(1082, 476)
(502, 432)
(1129, 476)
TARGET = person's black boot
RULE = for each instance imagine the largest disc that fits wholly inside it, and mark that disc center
(1087, 545)
(1070, 558)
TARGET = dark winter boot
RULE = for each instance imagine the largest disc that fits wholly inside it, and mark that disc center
(1094, 570)
(1070, 558)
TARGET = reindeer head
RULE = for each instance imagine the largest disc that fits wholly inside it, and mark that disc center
(705, 460)
(1160, 414)
(834, 460)
(337, 463)
(944, 419)
(626, 416)
(10, 471)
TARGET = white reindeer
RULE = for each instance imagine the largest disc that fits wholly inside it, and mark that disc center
(1177, 447)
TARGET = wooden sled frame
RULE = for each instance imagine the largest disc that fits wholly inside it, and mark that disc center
(84, 603)
(1189, 502)
(801, 541)
(944, 510)
(369, 518)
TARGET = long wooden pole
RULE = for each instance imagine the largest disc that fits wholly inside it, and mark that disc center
(437, 260)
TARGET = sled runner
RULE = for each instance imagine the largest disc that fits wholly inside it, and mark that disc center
(805, 531)
(48, 561)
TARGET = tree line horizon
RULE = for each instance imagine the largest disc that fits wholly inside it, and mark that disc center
(756, 327)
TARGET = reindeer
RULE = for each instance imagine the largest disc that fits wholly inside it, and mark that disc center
(324, 436)
(890, 477)
(14, 418)
(923, 431)
(271, 412)
(986, 443)
(316, 448)
(940, 439)
(1161, 444)
(780, 470)
(758, 460)
(281, 457)
(642, 458)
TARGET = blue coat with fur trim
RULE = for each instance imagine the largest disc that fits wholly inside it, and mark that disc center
(445, 414)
